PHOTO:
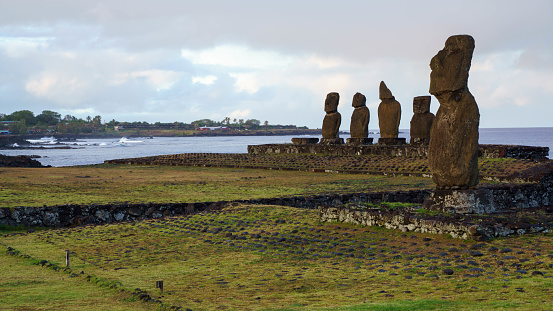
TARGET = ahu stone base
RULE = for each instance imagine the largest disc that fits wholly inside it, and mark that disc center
(331, 141)
(471, 201)
(355, 141)
(391, 141)
(304, 141)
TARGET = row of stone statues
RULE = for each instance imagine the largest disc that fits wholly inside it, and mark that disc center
(452, 135)
(389, 116)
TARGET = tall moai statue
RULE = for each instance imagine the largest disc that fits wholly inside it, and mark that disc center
(331, 121)
(421, 122)
(359, 126)
(389, 115)
(453, 147)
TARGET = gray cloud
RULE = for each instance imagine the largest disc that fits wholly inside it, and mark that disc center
(125, 60)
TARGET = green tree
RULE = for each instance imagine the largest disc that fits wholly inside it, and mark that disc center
(204, 122)
(23, 115)
(253, 122)
(97, 121)
(48, 117)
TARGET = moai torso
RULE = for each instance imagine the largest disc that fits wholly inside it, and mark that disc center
(389, 113)
(453, 148)
(359, 126)
(421, 121)
(332, 119)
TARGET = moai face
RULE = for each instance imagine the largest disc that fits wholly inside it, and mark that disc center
(331, 102)
(359, 100)
(450, 67)
(421, 104)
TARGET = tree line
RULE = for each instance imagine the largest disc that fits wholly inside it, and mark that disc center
(25, 121)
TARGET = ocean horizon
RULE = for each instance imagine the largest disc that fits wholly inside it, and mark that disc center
(96, 151)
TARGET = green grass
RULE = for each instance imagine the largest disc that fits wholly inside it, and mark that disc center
(26, 286)
(216, 269)
(164, 184)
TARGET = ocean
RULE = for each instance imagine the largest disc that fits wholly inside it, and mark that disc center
(96, 151)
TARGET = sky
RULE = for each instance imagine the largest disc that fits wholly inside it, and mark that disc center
(181, 60)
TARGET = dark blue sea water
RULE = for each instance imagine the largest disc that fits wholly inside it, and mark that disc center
(94, 151)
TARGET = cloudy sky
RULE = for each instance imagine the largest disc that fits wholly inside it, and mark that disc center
(180, 60)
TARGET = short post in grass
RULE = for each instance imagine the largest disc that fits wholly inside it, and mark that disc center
(67, 258)
(159, 284)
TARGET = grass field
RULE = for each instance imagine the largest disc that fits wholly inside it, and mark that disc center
(162, 184)
(250, 257)
(278, 258)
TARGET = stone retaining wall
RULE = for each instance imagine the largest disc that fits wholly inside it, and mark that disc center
(456, 225)
(485, 151)
(73, 215)
(504, 198)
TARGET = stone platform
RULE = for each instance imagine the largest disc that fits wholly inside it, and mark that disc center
(459, 226)
(484, 151)
(359, 141)
(391, 141)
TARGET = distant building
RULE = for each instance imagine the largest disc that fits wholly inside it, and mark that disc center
(213, 128)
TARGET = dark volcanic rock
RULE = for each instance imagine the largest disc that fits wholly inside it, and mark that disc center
(18, 161)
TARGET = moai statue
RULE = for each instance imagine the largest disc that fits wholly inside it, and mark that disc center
(453, 147)
(359, 126)
(389, 115)
(332, 120)
(421, 121)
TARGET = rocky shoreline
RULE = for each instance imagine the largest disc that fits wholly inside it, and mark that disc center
(7, 140)
(19, 161)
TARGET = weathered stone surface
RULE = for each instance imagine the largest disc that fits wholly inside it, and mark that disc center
(463, 226)
(359, 126)
(472, 201)
(359, 141)
(331, 141)
(389, 113)
(389, 141)
(304, 141)
(422, 119)
(332, 119)
(453, 147)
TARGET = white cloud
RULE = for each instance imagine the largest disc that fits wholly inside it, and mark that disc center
(19, 47)
(206, 80)
(158, 79)
(246, 82)
(237, 56)
(240, 114)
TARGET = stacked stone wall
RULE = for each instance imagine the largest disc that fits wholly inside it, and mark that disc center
(484, 151)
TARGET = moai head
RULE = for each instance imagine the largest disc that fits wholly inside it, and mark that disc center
(331, 102)
(450, 67)
(359, 100)
(421, 104)
(385, 93)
